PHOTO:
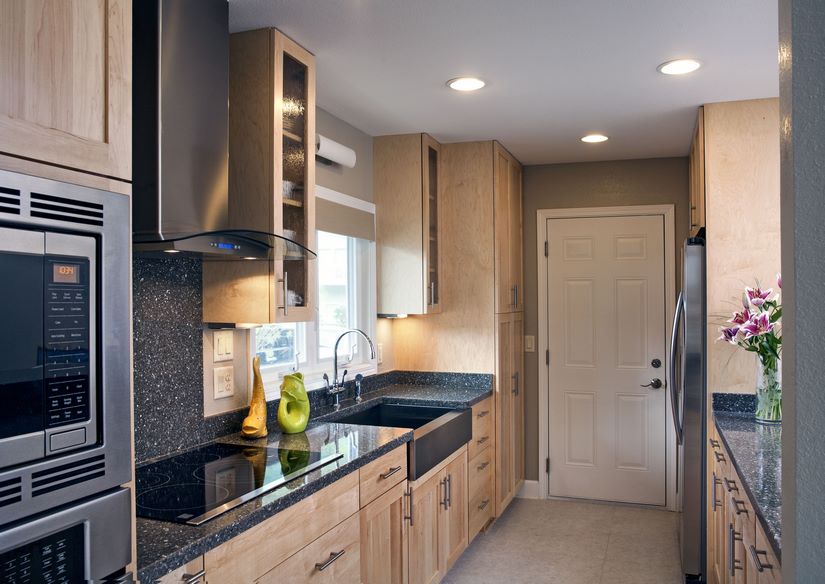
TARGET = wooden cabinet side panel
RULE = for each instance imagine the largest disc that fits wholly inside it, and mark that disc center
(516, 235)
(504, 403)
(66, 97)
(697, 175)
(385, 538)
(397, 188)
(517, 357)
(432, 266)
(252, 554)
(503, 280)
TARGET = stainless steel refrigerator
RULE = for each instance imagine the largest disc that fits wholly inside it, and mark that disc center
(688, 401)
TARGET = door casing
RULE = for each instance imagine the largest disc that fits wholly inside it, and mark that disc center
(542, 215)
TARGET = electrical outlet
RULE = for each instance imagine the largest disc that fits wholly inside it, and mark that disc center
(224, 382)
(379, 348)
(529, 344)
(222, 346)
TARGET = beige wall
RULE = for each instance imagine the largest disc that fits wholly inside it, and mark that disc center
(356, 182)
(742, 208)
(595, 184)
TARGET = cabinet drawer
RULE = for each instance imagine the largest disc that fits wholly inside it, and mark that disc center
(480, 472)
(482, 427)
(333, 557)
(252, 554)
(481, 509)
(740, 510)
(379, 476)
(191, 573)
(763, 557)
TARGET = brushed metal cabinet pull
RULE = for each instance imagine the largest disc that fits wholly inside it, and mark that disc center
(483, 504)
(193, 578)
(714, 443)
(409, 494)
(321, 566)
(449, 490)
(730, 486)
(483, 414)
(715, 501)
(482, 440)
(740, 507)
(482, 466)
(755, 553)
(390, 472)
(443, 483)
(285, 286)
(719, 456)
(733, 537)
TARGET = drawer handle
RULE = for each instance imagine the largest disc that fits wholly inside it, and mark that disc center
(740, 507)
(755, 553)
(483, 504)
(193, 578)
(483, 414)
(730, 486)
(714, 443)
(321, 566)
(409, 493)
(389, 473)
(719, 456)
(482, 440)
(733, 537)
(482, 466)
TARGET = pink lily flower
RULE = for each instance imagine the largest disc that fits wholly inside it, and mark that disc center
(756, 296)
(729, 335)
(741, 317)
(779, 281)
(758, 325)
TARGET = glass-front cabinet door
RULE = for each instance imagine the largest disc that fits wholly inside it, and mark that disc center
(431, 216)
(294, 191)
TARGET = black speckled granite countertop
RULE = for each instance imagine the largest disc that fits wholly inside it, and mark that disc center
(164, 546)
(756, 450)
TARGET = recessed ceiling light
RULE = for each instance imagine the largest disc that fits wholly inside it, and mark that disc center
(465, 83)
(679, 66)
(594, 138)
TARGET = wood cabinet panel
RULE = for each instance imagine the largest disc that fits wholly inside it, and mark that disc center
(454, 524)
(509, 410)
(254, 553)
(508, 232)
(334, 557)
(187, 574)
(483, 427)
(480, 509)
(480, 472)
(424, 532)
(66, 96)
(385, 538)
(697, 175)
(381, 474)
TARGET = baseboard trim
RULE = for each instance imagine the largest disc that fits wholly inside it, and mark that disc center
(529, 490)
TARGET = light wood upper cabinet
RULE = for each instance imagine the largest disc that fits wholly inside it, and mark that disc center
(66, 91)
(271, 180)
(509, 408)
(508, 232)
(407, 187)
(697, 175)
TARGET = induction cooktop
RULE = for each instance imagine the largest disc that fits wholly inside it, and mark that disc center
(198, 485)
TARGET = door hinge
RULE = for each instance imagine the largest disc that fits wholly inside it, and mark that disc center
(547, 357)
(547, 465)
(546, 249)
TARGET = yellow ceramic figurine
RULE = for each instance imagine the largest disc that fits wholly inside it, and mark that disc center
(254, 425)
(293, 411)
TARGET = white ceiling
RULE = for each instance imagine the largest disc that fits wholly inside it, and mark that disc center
(556, 69)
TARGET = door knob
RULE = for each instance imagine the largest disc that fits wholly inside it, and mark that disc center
(655, 383)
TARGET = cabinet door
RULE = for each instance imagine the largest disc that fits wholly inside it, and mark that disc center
(424, 531)
(66, 95)
(504, 415)
(697, 176)
(515, 236)
(517, 407)
(505, 295)
(295, 183)
(384, 538)
(432, 220)
(454, 518)
(720, 531)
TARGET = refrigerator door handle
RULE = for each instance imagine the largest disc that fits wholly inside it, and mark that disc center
(674, 342)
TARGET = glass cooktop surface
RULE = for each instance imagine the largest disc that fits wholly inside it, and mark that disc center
(196, 486)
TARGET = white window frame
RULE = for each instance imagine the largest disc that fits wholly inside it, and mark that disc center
(363, 304)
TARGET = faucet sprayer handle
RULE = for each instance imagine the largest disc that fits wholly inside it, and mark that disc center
(326, 380)
(343, 378)
(359, 378)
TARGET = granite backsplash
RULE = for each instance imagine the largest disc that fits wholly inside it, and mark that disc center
(168, 362)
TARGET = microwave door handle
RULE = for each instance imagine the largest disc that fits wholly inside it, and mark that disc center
(672, 386)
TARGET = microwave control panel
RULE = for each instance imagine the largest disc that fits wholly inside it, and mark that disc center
(67, 306)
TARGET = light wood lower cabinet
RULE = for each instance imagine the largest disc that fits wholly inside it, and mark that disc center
(425, 500)
(385, 538)
(333, 557)
(738, 551)
(454, 523)
(509, 407)
(191, 573)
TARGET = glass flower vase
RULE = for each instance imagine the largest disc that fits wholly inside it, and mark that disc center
(768, 393)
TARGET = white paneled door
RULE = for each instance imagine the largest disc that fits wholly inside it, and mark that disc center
(606, 313)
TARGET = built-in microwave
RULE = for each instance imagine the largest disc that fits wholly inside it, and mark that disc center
(65, 344)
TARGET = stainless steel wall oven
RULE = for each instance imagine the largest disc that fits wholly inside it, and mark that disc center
(65, 373)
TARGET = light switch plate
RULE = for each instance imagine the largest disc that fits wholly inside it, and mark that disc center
(380, 350)
(222, 346)
(224, 382)
(529, 344)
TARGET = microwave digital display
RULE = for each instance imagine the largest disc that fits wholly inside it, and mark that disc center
(65, 273)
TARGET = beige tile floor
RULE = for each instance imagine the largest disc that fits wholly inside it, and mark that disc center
(569, 542)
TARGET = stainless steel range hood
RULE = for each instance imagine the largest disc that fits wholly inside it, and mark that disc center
(180, 191)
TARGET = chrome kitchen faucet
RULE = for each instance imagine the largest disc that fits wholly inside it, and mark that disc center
(338, 387)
